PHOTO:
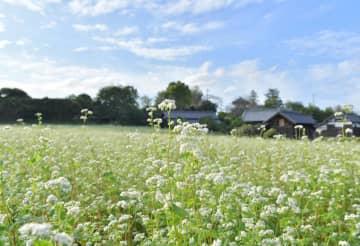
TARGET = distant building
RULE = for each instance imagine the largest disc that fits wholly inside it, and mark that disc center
(190, 116)
(283, 121)
(334, 125)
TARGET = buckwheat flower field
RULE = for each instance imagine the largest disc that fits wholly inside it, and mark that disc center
(63, 185)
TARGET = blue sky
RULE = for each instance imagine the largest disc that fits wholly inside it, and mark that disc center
(307, 49)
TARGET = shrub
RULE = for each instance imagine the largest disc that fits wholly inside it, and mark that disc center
(270, 133)
(245, 130)
(212, 125)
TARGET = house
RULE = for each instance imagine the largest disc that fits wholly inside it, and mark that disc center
(190, 116)
(338, 123)
(282, 120)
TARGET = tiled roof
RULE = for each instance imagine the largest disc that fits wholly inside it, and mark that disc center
(258, 115)
(189, 115)
(262, 115)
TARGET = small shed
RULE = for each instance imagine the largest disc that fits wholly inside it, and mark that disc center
(336, 124)
(190, 116)
(282, 120)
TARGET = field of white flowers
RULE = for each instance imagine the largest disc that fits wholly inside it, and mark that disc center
(118, 186)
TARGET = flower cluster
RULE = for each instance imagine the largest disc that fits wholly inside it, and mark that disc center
(167, 105)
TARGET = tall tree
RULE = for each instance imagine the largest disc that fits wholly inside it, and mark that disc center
(145, 101)
(273, 99)
(178, 91)
(239, 105)
(196, 97)
(118, 104)
(253, 99)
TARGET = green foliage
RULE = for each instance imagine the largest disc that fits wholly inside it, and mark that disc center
(13, 93)
(178, 91)
(270, 133)
(212, 125)
(273, 99)
(246, 130)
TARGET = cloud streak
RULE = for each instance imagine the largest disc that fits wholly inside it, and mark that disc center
(142, 49)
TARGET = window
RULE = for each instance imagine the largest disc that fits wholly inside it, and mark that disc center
(281, 122)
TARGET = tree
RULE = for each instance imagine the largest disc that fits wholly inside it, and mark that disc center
(196, 97)
(178, 91)
(84, 100)
(253, 99)
(273, 99)
(295, 106)
(118, 104)
(207, 105)
(13, 93)
(145, 101)
(239, 105)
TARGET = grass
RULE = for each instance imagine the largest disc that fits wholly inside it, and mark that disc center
(122, 186)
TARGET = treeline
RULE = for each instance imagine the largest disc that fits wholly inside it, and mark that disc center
(112, 105)
(122, 105)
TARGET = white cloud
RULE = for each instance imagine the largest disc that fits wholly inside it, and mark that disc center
(337, 80)
(4, 43)
(99, 7)
(140, 48)
(198, 7)
(87, 28)
(20, 42)
(32, 5)
(230, 89)
(2, 27)
(42, 77)
(169, 7)
(126, 31)
(328, 43)
(81, 49)
(191, 28)
(50, 25)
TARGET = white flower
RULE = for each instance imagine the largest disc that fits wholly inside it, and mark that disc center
(63, 239)
(217, 242)
(344, 243)
(349, 131)
(338, 114)
(62, 183)
(36, 229)
(298, 127)
(167, 105)
(74, 210)
(51, 199)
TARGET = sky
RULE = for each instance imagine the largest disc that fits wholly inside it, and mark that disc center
(309, 50)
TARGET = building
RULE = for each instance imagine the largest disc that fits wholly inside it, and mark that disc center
(283, 121)
(190, 116)
(336, 124)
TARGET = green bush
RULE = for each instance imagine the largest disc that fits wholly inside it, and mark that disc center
(245, 130)
(212, 125)
(270, 133)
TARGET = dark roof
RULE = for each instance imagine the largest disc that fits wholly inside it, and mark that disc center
(263, 115)
(190, 115)
(296, 117)
(354, 118)
(258, 115)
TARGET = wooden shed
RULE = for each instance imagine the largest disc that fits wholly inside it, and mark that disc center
(282, 120)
